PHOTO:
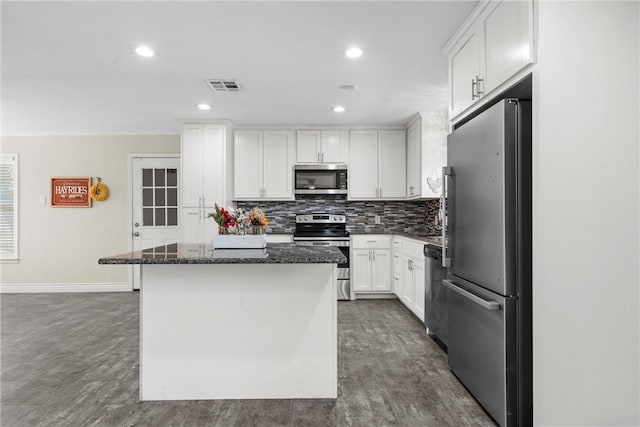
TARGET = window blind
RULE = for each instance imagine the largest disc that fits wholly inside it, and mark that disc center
(8, 206)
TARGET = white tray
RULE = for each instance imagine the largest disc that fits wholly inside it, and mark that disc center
(240, 241)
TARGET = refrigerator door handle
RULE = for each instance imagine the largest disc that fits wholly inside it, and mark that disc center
(489, 305)
(446, 172)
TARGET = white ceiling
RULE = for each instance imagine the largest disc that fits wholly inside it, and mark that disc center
(69, 68)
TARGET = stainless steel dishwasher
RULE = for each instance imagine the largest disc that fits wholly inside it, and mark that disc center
(435, 293)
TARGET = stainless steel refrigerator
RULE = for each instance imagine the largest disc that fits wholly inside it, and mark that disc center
(487, 248)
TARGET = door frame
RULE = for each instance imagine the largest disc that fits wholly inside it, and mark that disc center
(130, 159)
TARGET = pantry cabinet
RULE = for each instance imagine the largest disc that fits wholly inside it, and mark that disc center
(321, 146)
(494, 44)
(377, 164)
(205, 177)
(263, 163)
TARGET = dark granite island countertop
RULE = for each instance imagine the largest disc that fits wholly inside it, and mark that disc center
(195, 253)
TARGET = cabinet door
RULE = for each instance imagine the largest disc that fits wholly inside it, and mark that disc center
(308, 146)
(407, 282)
(381, 267)
(191, 219)
(464, 67)
(191, 170)
(361, 270)
(418, 289)
(333, 147)
(213, 165)
(508, 47)
(278, 168)
(414, 160)
(363, 161)
(247, 161)
(392, 168)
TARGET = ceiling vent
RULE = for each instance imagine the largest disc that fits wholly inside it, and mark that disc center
(224, 85)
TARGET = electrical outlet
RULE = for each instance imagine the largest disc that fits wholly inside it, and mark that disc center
(43, 200)
(377, 219)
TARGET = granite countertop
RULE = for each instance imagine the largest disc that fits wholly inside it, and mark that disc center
(195, 253)
(434, 240)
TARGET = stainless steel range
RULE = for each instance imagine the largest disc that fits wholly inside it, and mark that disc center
(322, 229)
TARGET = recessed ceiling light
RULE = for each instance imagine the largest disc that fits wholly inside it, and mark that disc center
(338, 109)
(145, 51)
(353, 52)
(204, 106)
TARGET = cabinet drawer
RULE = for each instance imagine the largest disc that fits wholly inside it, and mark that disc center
(413, 249)
(371, 242)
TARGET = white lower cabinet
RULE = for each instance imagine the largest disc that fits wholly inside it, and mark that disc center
(371, 263)
(410, 276)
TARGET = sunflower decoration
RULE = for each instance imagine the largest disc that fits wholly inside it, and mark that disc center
(258, 220)
(98, 191)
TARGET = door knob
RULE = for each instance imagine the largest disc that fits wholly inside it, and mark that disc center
(136, 234)
(137, 224)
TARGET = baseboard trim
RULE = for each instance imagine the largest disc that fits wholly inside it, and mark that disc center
(366, 295)
(30, 288)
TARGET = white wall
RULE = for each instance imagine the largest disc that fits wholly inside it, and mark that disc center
(586, 217)
(62, 245)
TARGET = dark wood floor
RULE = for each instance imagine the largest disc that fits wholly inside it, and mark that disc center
(72, 360)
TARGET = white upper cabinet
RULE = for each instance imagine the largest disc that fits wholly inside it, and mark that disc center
(247, 171)
(326, 146)
(488, 51)
(465, 73)
(377, 164)
(426, 154)
(277, 151)
(363, 161)
(508, 40)
(392, 179)
(203, 153)
(414, 154)
(263, 164)
(308, 146)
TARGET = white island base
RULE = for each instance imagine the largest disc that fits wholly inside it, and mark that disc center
(238, 331)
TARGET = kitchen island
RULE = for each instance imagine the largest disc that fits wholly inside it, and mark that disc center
(237, 323)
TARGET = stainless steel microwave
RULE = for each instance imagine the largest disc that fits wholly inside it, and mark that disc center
(320, 179)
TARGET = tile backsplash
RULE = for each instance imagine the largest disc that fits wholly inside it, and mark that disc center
(417, 217)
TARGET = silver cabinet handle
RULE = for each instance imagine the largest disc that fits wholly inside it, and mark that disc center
(473, 89)
(380, 192)
(137, 224)
(369, 255)
(446, 173)
(411, 190)
(136, 234)
(374, 255)
(318, 157)
(479, 92)
(321, 157)
(489, 305)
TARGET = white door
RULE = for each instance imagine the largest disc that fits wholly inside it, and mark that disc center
(247, 158)
(155, 190)
(465, 66)
(381, 270)
(278, 168)
(333, 142)
(308, 146)
(392, 166)
(363, 165)
(191, 152)
(361, 270)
